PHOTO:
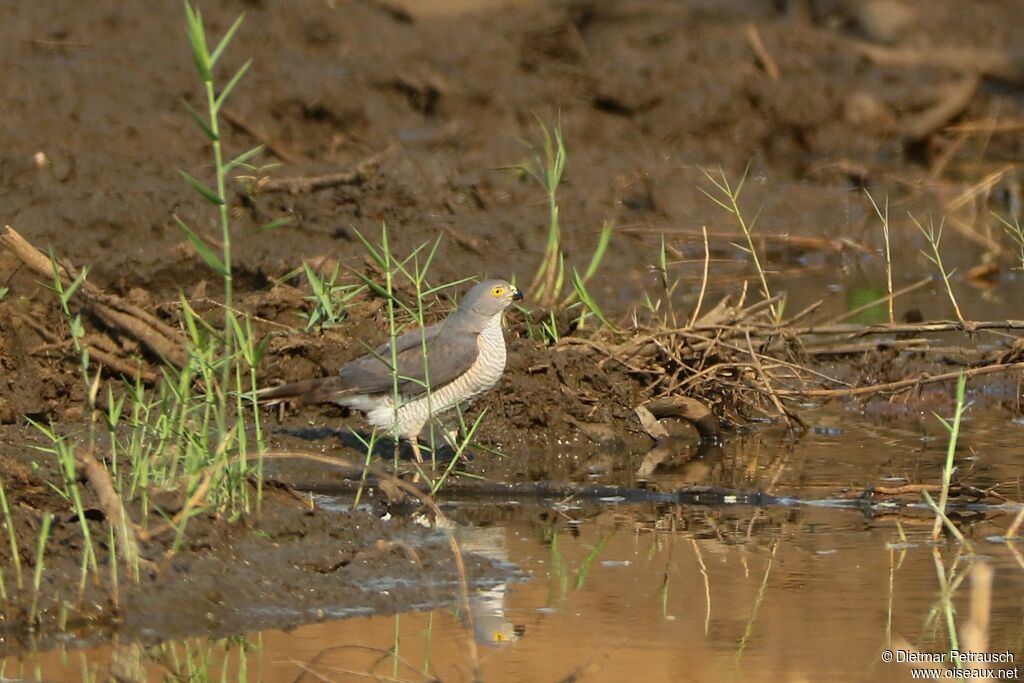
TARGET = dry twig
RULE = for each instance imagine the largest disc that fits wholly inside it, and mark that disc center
(299, 184)
(768, 63)
(113, 509)
(114, 311)
(955, 99)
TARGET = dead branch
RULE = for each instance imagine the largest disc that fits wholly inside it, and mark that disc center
(115, 312)
(892, 387)
(915, 489)
(806, 242)
(703, 280)
(650, 424)
(113, 509)
(768, 63)
(169, 348)
(881, 300)
(920, 346)
(750, 364)
(122, 366)
(989, 126)
(792, 419)
(693, 411)
(115, 363)
(299, 184)
(955, 99)
(997, 64)
(854, 330)
(47, 335)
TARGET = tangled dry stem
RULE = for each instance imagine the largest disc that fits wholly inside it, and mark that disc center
(743, 365)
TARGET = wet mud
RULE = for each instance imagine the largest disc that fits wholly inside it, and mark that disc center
(287, 563)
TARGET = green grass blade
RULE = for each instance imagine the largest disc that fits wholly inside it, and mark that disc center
(197, 185)
(202, 124)
(231, 85)
(560, 279)
(724, 189)
(374, 253)
(715, 199)
(208, 254)
(743, 180)
(430, 256)
(260, 351)
(584, 569)
(374, 287)
(448, 285)
(588, 301)
(65, 297)
(219, 50)
(242, 158)
(197, 41)
(599, 252)
(276, 223)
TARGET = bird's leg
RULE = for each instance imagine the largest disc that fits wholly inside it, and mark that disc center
(416, 449)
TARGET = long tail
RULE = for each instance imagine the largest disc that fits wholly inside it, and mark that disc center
(320, 390)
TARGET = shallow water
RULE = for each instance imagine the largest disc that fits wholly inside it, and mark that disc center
(610, 591)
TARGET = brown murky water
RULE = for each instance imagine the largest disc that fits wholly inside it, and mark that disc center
(605, 589)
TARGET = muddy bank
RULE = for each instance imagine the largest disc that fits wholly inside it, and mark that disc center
(290, 563)
(439, 97)
(564, 410)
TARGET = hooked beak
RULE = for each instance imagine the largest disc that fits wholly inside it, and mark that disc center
(518, 295)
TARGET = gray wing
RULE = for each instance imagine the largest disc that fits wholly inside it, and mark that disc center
(448, 356)
(409, 340)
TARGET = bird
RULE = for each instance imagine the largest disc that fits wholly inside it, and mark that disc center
(459, 359)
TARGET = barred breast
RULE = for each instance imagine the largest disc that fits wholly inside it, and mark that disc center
(477, 380)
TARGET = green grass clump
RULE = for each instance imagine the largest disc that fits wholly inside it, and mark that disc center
(37, 577)
(12, 538)
(203, 660)
(948, 468)
(934, 236)
(223, 359)
(547, 282)
(728, 198)
(198, 430)
(330, 299)
(546, 288)
(1011, 226)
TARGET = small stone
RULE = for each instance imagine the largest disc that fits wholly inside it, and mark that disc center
(864, 110)
(884, 21)
(140, 297)
(598, 433)
(8, 415)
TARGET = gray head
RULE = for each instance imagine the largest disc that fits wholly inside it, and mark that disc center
(488, 298)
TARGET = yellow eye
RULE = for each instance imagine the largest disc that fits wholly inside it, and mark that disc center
(497, 291)
(499, 636)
